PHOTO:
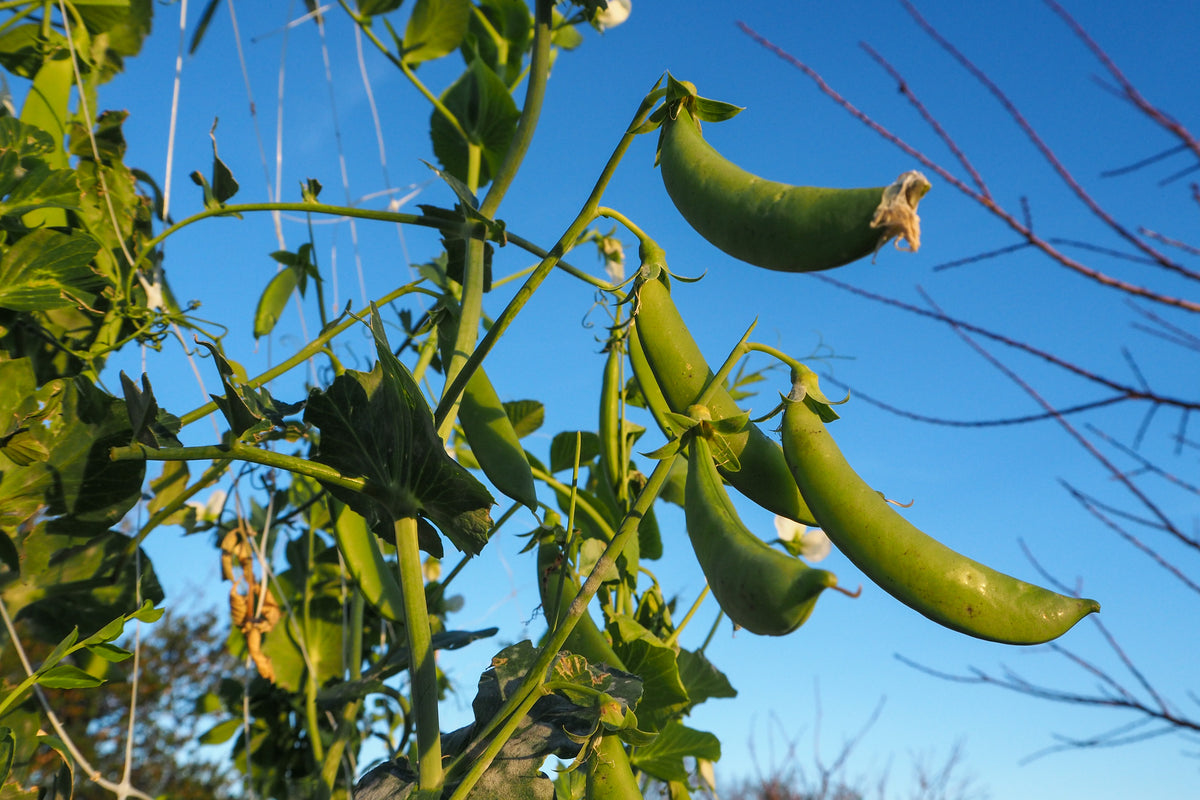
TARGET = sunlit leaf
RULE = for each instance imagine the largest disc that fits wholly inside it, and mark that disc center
(435, 29)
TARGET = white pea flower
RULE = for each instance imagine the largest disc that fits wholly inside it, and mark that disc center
(811, 544)
(210, 511)
(616, 13)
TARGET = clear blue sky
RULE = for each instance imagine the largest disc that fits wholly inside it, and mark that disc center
(977, 489)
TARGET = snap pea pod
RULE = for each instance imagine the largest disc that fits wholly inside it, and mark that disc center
(915, 568)
(776, 225)
(558, 586)
(758, 587)
(609, 776)
(488, 430)
(375, 577)
(680, 372)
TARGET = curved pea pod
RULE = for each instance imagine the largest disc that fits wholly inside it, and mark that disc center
(758, 587)
(558, 586)
(609, 776)
(916, 569)
(376, 578)
(680, 372)
(776, 225)
(493, 440)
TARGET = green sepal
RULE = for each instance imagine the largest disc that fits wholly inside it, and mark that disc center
(805, 388)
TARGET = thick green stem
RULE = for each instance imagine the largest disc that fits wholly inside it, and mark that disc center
(565, 242)
(421, 666)
(472, 294)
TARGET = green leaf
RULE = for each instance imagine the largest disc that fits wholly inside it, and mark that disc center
(221, 732)
(80, 424)
(562, 449)
(147, 612)
(61, 649)
(648, 657)
(274, 299)
(505, 40)
(223, 186)
(109, 652)
(484, 107)
(527, 416)
(371, 8)
(65, 676)
(46, 270)
(202, 24)
(664, 757)
(166, 488)
(702, 680)
(376, 425)
(239, 404)
(70, 579)
(435, 29)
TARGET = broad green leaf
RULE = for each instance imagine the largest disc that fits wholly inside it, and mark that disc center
(664, 757)
(273, 301)
(562, 449)
(65, 676)
(646, 656)
(484, 107)
(376, 425)
(320, 640)
(46, 270)
(435, 29)
(702, 680)
(505, 40)
(79, 424)
(26, 180)
(527, 416)
(69, 580)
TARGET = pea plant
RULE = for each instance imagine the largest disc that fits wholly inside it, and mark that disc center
(335, 600)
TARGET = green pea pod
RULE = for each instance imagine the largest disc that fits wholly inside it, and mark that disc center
(611, 446)
(680, 372)
(609, 776)
(558, 587)
(375, 577)
(776, 225)
(916, 569)
(490, 433)
(758, 587)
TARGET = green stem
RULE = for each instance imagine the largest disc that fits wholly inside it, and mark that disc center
(691, 612)
(531, 110)
(735, 355)
(530, 688)
(312, 722)
(472, 294)
(565, 242)
(333, 756)
(300, 208)
(421, 666)
(241, 452)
